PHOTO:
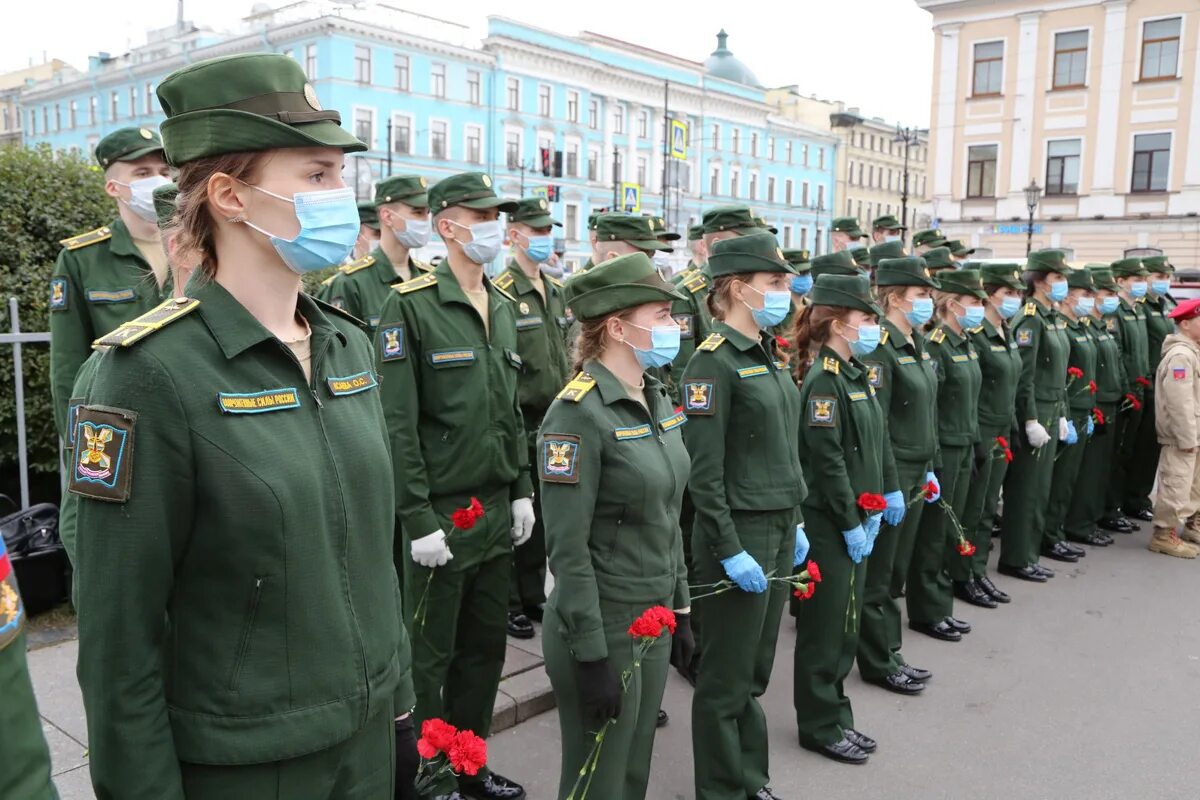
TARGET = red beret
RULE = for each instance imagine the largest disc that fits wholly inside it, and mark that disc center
(1188, 309)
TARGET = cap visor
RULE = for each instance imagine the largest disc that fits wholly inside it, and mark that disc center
(671, 237)
(144, 151)
(651, 244)
(544, 221)
(507, 206)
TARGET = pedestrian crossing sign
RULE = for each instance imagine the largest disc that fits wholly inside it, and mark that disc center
(679, 139)
(631, 194)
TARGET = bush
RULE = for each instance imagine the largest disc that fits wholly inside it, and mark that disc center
(47, 196)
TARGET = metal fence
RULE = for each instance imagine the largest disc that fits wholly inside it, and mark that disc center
(18, 339)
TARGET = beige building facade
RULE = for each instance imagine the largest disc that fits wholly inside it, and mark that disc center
(1098, 102)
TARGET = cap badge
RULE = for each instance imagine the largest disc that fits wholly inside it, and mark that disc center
(542, 204)
(424, 182)
(145, 134)
(310, 96)
(487, 181)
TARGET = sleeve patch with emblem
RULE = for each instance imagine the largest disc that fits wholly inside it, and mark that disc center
(58, 294)
(102, 467)
(821, 412)
(12, 611)
(874, 374)
(698, 396)
(686, 328)
(1024, 337)
(559, 457)
(1179, 373)
(391, 343)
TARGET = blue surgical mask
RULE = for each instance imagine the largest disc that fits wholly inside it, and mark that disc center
(922, 312)
(328, 229)
(972, 317)
(1058, 291)
(664, 346)
(539, 248)
(868, 340)
(1083, 306)
(1137, 289)
(415, 234)
(776, 306)
(1009, 307)
(802, 284)
(487, 239)
(1109, 305)
(1160, 288)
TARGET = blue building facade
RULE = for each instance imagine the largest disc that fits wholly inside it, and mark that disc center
(429, 98)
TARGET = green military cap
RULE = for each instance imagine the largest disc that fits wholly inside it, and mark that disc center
(1128, 268)
(839, 263)
(766, 226)
(846, 225)
(1080, 279)
(534, 212)
(962, 281)
(885, 250)
(659, 225)
(930, 236)
(958, 249)
(843, 291)
(887, 222)
(1158, 264)
(593, 218)
(729, 218)
(1047, 260)
(236, 104)
(938, 258)
(695, 233)
(164, 204)
(1006, 275)
(128, 144)
(755, 252)
(619, 283)
(1102, 277)
(861, 256)
(628, 228)
(367, 214)
(798, 259)
(412, 190)
(469, 190)
(904, 271)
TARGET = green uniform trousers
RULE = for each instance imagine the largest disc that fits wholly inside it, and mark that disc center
(687, 518)
(1087, 503)
(623, 770)
(983, 498)
(879, 635)
(360, 768)
(1143, 463)
(729, 728)
(529, 564)
(24, 757)
(929, 598)
(1026, 493)
(1128, 423)
(1065, 482)
(827, 635)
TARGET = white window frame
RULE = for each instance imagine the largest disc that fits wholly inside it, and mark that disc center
(752, 185)
(789, 192)
(1170, 159)
(1082, 146)
(1003, 65)
(374, 122)
(509, 82)
(429, 139)
(571, 222)
(573, 99)
(397, 115)
(467, 131)
(548, 91)
(370, 64)
(432, 84)
(599, 154)
(966, 173)
(508, 131)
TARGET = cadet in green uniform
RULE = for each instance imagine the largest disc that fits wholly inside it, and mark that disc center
(887, 228)
(448, 362)
(959, 251)
(840, 263)
(902, 374)
(844, 448)
(542, 345)
(889, 249)
(799, 285)
(613, 466)
(845, 234)
(368, 229)
(1133, 336)
(927, 239)
(110, 275)
(1041, 337)
(1091, 485)
(1000, 368)
(361, 286)
(232, 468)
(936, 560)
(743, 413)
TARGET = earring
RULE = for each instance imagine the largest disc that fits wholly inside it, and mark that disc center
(238, 218)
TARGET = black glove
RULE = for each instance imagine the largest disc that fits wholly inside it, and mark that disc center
(600, 686)
(683, 643)
(407, 759)
(1016, 440)
(980, 459)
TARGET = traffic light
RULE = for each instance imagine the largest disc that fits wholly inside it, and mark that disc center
(545, 152)
(558, 163)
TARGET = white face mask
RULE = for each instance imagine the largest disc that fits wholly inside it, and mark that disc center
(141, 196)
(415, 234)
(487, 239)
(890, 238)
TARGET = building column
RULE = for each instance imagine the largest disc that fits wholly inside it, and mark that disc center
(1188, 199)
(1102, 197)
(944, 140)
(1020, 167)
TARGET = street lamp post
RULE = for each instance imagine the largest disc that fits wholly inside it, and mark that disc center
(907, 137)
(1033, 193)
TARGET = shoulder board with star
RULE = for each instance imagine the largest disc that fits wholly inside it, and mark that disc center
(1031, 309)
(937, 336)
(883, 338)
(420, 266)
(974, 331)
(329, 281)
(84, 239)
(577, 388)
(503, 293)
(416, 284)
(694, 281)
(830, 364)
(153, 320)
(554, 281)
(503, 281)
(713, 341)
(358, 265)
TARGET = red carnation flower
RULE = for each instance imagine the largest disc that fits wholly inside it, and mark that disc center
(871, 503)
(808, 591)
(465, 518)
(468, 753)
(1097, 416)
(1008, 456)
(814, 572)
(1092, 387)
(1143, 381)
(1134, 403)
(965, 548)
(437, 736)
(782, 342)
(930, 490)
(651, 623)
(1074, 372)
(1000, 440)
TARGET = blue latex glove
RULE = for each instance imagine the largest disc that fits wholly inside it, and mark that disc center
(1091, 428)
(801, 551)
(856, 543)
(931, 477)
(743, 570)
(871, 526)
(1072, 434)
(894, 513)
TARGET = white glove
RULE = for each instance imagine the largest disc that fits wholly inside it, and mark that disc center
(1036, 434)
(522, 521)
(431, 551)
(1064, 430)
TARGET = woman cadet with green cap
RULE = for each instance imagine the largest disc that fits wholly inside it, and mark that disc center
(844, 443)
(902, 374)
(612, 466)
(743, 414)
(936, 559)
(232, 468)
(1000, 366)
(1041, 337)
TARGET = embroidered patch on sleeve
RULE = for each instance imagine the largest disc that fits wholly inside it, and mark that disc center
(822, 412)
(1024, 337)
(874, 374)
(698, 396)
(1179, 373)
(391, 343)
(686, 328)
(351, 384)
(559, 457)
(12, 611)
(102, 466)
(58, 294)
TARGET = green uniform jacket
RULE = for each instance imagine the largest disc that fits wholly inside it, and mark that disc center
(1158, 327)
(449, 390)
(1041, 337)
(905, 383)
(1000, 365)
(612, 477)
(360, 287)
(69, 509)
(237, 603)
(1133, 337)
(844, 446)
(1083, 357)
(959, 379)
(541, 342)
(743, 414)
(100, 281)
(1110, 368)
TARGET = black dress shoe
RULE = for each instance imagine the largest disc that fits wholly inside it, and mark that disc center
(1026, 573)
(1144, 514)
(1116, 525)
(916, 673)
(973, 593)
(1074, 548)
(765, 793)
(662, 720)
(997, 594)
(842, 750)
(519, 626)
(864, 742)
(1049, 573)
(536, 613)
(1095, 539)
(938, 630)
(1059, 552)
(493, 787)
(899, 683)
(959, 625)
(996, 528)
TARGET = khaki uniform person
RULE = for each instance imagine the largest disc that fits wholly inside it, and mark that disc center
(1177, 390)
(232, 469)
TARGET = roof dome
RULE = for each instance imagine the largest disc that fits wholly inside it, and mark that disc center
(723, 64)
